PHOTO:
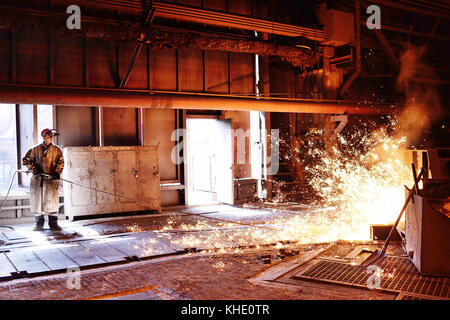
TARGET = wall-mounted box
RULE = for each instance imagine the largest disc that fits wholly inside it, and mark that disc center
(339, 27)
(245, 189)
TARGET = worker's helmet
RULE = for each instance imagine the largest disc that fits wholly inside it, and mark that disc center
(49, 132)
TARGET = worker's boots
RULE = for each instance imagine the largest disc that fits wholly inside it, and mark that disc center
(53, 223)
(39, 223)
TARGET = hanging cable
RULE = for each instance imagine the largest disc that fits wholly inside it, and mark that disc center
(7, 194)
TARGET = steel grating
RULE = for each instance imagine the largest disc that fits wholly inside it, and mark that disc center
(410, 297)
(397, 275)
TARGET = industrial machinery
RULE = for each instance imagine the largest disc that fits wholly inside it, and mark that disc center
(427, 220)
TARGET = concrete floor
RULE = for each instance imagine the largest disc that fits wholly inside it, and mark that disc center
(207, 252)
(98, 242)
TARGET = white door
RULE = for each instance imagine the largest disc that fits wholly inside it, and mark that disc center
(224, 162)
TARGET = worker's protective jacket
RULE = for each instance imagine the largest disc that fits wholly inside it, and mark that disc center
(44, 195)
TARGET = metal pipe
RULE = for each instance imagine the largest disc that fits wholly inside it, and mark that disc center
(191, 14)
(108, 98)
(343, 59)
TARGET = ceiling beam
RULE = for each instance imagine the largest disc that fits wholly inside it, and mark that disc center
(387, 48)
(410, 32)
(160, 100)
(237, 21)
(442, 14)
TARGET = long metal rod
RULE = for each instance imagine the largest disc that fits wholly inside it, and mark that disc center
(9, 189)
(65, 180)
(136, 52)
(231, 221)
(111, 194)
(379, 255)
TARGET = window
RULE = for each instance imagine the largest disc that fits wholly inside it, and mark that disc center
(29, 138)
(25, 116)
(45, 117)
(8, 146)
(17, 134)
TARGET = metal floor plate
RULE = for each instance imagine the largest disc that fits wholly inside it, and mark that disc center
(398, 275)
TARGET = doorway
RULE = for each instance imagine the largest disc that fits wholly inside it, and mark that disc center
(209, 161)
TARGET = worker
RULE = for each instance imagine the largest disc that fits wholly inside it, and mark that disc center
(46, 161)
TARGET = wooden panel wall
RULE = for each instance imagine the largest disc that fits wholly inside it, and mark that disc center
(158, 127)
(241, 7)
(119, 127)
(68, 61)
(240, 120)
(216, 78)
(76, 125)
(163, 69)
(31, 57)
(215, 4)
(194, 3)
(101, 61)
(282, 81)
(233, 6)
(139, 76)
(4, 56)
(191, 70)
(241, 73)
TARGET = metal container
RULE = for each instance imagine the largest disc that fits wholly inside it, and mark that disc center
(131, 172)
(428, 234)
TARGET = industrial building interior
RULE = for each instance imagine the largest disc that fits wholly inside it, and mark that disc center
(227, 149)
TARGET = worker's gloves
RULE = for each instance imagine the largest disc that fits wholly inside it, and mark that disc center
(46, 176)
